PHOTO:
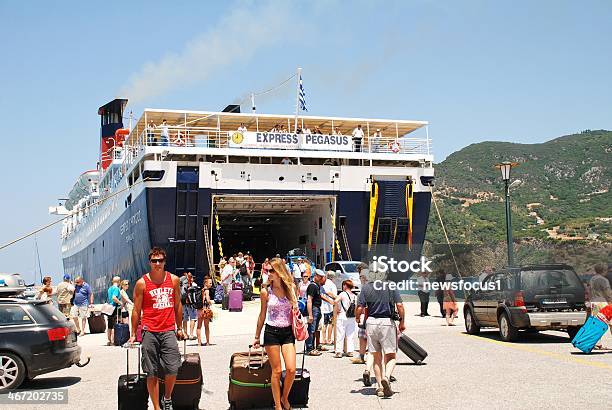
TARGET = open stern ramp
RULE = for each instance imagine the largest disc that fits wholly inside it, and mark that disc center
(269, 224)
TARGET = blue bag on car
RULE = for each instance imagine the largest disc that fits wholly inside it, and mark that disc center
(589, 334)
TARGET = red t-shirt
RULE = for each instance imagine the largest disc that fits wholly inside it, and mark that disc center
(158, 305)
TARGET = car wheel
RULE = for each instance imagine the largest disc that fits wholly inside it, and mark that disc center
(572, 331)
(12, 371)
(470, 323)
(508, 332)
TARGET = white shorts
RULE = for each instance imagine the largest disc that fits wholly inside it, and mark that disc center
(382, 335)
(82, 312)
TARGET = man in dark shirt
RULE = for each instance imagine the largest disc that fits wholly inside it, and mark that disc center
(313, 292)
(381, 330)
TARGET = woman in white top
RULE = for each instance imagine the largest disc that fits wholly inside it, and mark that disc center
(126, 302)
(345, 326)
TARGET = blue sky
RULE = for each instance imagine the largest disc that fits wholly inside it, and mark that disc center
(519, 71)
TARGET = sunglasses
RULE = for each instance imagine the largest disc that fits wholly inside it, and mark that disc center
(157, 260)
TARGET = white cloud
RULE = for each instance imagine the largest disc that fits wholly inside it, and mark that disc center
(235, 39)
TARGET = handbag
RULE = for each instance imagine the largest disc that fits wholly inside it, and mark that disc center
(300, 330)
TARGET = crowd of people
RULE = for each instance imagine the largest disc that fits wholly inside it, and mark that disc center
(167, 308)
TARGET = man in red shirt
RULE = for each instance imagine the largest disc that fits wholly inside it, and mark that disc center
(157, 307)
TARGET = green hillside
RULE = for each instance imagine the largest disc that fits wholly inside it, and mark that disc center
(563, 196)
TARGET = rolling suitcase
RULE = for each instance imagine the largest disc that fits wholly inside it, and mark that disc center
(225, 302)
(188, 387)
(132, 391)
(121, 332)
(247, 293)
(250, 381)
(298, 396)
(96, 322)
(589, 334)
(235, 300)
(411, 349)
(218, 297)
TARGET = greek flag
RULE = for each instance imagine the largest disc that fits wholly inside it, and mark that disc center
(302, 96)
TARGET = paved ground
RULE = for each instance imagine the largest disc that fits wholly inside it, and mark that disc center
(462, 371)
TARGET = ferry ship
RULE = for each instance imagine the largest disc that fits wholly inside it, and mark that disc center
(204, 184)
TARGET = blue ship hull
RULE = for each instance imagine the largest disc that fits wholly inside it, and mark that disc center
(151, 220)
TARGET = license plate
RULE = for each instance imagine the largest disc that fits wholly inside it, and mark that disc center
(554, 301)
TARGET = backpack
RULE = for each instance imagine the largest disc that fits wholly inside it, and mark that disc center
(195, 297)
(350, 312)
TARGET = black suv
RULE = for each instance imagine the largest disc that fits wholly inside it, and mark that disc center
(536, 297)
(35, 338)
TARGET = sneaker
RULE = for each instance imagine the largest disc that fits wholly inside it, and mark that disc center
(357, 360)
(380, 392)
(367, 381)
(166, 404)
(386, 387)
(392, 379)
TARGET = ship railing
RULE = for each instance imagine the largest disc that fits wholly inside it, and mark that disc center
(202, 137)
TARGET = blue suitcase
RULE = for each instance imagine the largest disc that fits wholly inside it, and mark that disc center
(121, 334)
(589, 334)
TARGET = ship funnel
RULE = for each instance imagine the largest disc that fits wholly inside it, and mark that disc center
(111, 120)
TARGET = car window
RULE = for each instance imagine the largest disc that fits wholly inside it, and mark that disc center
(548, 278)
(14, 315)
(504, 280)
(350, 267)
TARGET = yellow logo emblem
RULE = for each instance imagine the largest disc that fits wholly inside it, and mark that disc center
(237, 138)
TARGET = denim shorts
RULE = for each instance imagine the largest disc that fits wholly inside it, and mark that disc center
(189, 313)
(327, 318)
(278, 336)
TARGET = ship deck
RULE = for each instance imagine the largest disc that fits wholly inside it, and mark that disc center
(216, 132)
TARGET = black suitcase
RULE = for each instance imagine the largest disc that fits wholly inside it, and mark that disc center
(298, 396)
(247, 293)
(132, 391)
(96, 322)
(188, 386)
(411, 349)
(225, 302)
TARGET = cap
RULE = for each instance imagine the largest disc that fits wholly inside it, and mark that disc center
(66, 277)
(319, 272)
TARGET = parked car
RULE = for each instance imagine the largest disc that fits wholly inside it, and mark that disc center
(35, 338)
(534, 297)
(345, 270)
